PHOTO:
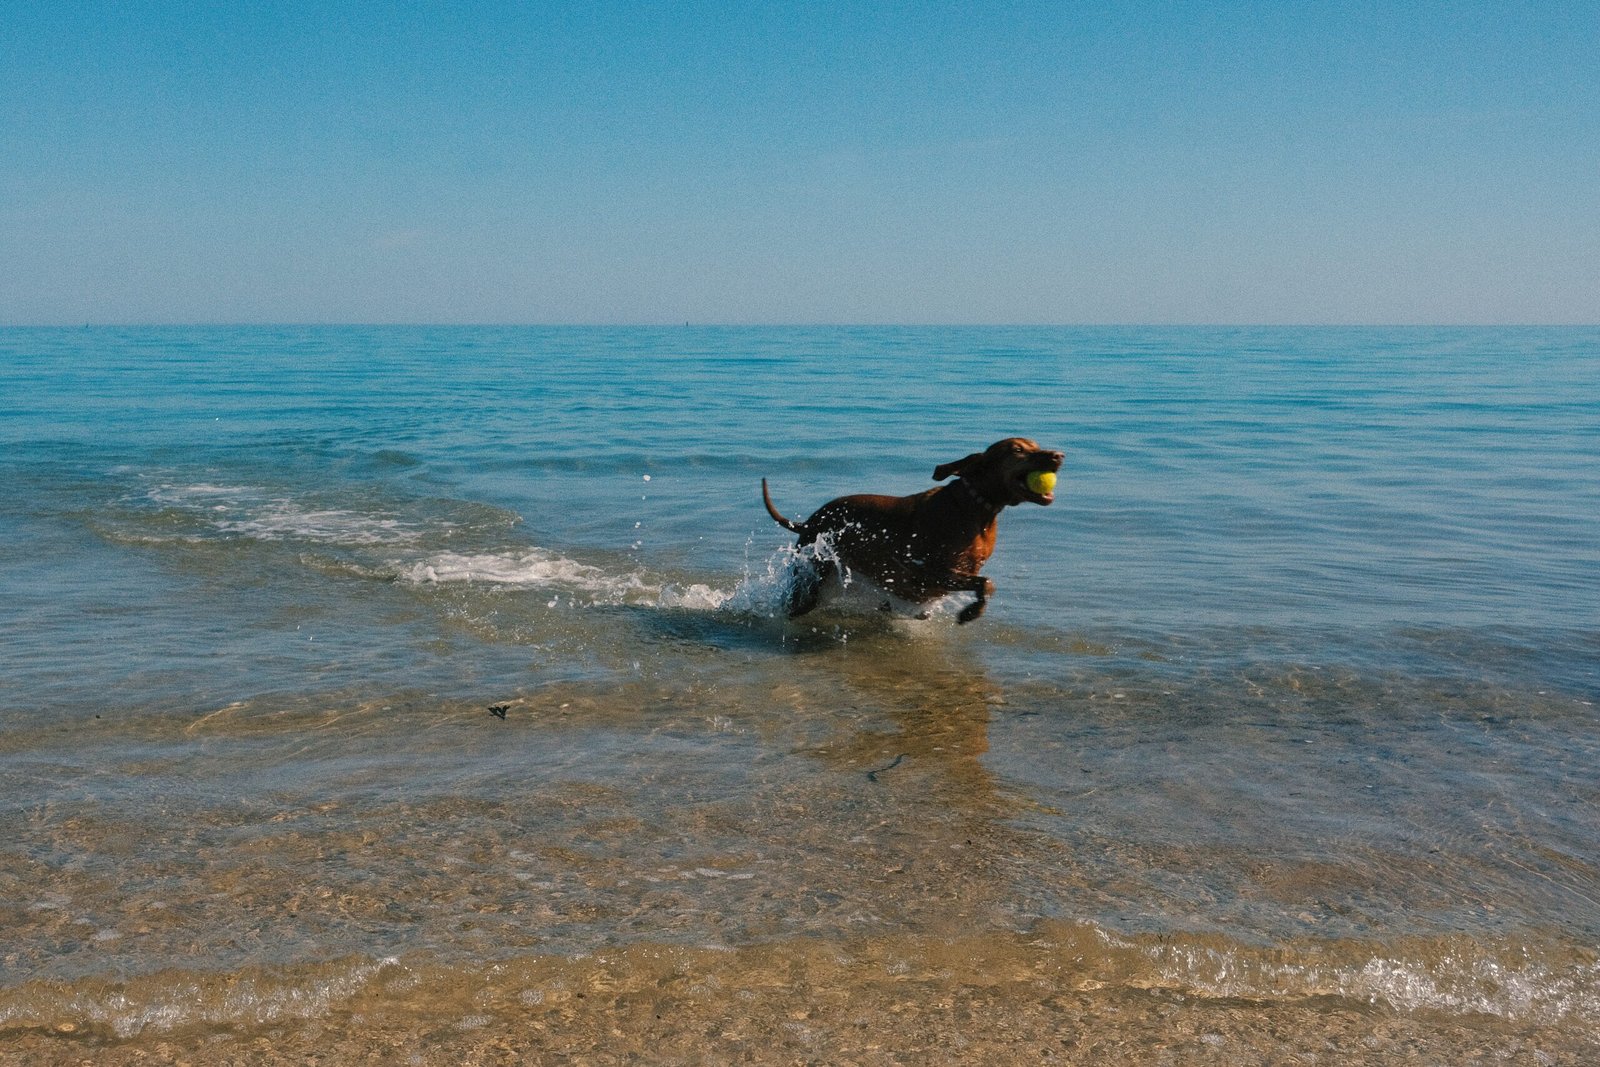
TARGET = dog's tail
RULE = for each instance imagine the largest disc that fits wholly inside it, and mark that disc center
(766, 498)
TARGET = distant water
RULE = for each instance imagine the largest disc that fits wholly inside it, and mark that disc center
(1279, 735)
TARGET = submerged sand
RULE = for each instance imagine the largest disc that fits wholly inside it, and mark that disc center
(858, 1004)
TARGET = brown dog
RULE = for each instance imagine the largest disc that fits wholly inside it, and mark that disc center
(927, 545)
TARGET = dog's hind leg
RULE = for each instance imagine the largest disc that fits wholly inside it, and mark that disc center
(805, 584)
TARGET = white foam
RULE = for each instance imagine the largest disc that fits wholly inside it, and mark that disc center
(762, 593)
(281, 520)
(199, 491)
(1471, 978)
(165, 1003)
(1520, 991)
(248, 511)
(539, 569)
(696, 597)
(534, 568)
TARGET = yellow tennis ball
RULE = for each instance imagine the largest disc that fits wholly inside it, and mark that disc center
(1042, 482)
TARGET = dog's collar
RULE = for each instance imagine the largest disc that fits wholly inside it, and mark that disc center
(982, 501)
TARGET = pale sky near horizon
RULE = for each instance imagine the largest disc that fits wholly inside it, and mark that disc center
(799, 163)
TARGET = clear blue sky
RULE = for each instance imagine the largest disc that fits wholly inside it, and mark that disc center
(328, 161)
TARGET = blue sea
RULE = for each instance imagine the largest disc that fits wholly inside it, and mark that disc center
(1278, 741)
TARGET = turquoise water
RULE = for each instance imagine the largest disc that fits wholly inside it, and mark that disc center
(1291, 694)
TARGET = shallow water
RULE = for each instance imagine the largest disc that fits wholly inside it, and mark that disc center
(1278, 737)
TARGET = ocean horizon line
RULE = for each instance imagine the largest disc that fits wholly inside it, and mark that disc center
(828, 325)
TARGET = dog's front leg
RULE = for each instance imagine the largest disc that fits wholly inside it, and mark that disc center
(984, 589)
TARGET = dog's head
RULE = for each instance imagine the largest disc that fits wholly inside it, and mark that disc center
(1001, 471)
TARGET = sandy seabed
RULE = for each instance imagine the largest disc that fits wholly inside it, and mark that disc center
(769, 1007)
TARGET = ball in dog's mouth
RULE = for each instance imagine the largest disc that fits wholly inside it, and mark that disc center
(1042, 482)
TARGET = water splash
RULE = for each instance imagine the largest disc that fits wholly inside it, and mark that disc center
(763, 591)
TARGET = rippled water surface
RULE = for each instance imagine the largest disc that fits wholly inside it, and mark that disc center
(1278, 738)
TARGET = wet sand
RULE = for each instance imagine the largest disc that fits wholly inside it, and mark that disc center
(886, 1001)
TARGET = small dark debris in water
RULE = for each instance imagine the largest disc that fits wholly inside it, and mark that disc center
(872, 776)
(499, 710)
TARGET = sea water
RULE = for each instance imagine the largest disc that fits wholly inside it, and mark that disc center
(1279, 732)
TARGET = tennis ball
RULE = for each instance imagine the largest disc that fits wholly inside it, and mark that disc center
(1042, 482)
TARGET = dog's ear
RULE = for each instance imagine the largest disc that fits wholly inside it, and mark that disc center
(945, 470)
